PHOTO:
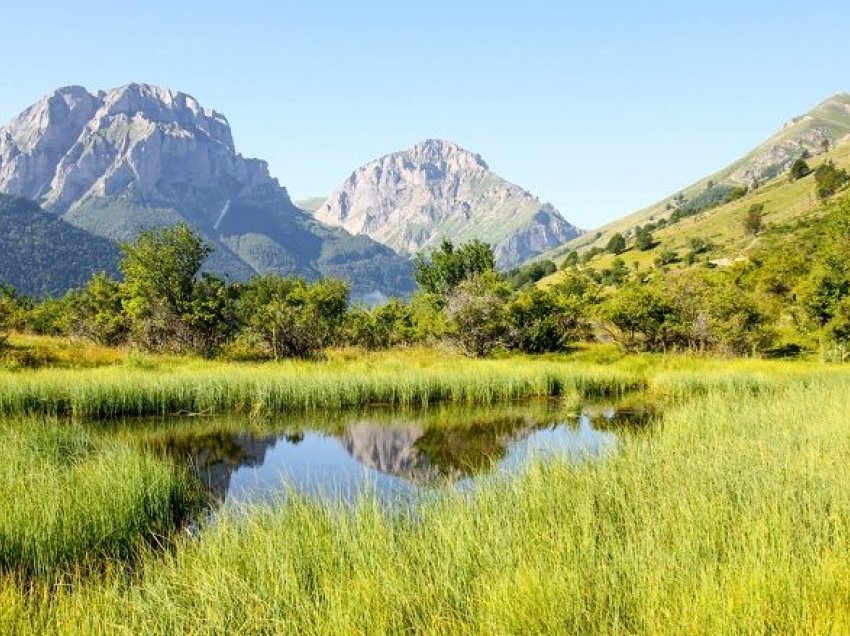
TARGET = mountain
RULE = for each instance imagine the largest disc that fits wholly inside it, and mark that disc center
(820, 132)
(42, 255)
(139, 155)
(699, 230)
(411, 200)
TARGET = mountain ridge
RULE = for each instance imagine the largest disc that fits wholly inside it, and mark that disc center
(802, 135)
(114, 162)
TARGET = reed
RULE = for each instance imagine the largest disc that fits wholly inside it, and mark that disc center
(68, 501)
(732, 517)
(207, 387)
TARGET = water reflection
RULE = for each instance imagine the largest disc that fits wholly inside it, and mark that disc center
(390, 454)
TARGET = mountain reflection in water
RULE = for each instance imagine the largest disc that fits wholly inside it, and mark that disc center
(392, 458)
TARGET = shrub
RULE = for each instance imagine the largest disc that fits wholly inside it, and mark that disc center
(290, 316)
(477, 313)
(616, 244)
(799, 169)
(829, 180)
(754, 221)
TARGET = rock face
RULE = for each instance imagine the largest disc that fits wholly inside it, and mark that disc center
(411, 200)
(140, 155)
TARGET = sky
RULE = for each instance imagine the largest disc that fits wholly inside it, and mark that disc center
(598, 107)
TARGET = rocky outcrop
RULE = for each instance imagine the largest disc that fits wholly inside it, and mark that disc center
(140, 155)
(413, 199)
(822, 128)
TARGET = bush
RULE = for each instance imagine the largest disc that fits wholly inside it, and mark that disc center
(666, 257)
(829, 180)
(539, 323)
(799, 169)
(754, 221)
(531, 273)
(638, 317)
(97, 312)
(616, 244)
(293, 319)
(478, 316)
(7, 311)
(644, 240)
(447, 266)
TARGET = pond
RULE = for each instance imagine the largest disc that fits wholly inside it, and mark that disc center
(392, 454)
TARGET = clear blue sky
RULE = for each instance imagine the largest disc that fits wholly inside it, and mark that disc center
(599, 107)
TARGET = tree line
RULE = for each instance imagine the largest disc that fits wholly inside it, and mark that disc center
(792, 294)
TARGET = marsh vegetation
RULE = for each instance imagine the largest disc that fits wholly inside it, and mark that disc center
(726, 511)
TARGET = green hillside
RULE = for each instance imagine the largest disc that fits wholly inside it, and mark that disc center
(761, 171)
(42, 255)
(720, 229)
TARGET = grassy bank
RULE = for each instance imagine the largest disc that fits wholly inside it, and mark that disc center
(733, 517)
(151, 387)
(70, 502)
(126, 384)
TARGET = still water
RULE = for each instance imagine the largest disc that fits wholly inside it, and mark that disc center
(393, 455)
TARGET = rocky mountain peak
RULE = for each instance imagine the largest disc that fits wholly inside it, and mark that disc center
(160, 105)
(410, 200)
(34, 142)
(440, 150)
(156, 144)
(140, 155)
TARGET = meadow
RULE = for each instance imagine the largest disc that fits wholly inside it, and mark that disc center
(729, 515)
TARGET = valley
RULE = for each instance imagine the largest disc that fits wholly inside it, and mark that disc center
(426, 403)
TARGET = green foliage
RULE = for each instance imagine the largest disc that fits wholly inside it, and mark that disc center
(698, 246)
(389, 325)
(616, 244)
(441, 271)
(531, 273)
(49, 317)
(639, 317)
(543, 321)
(738, 192)
(711, 197)
(644, 240)
(292, 317)
(829, 179)
(98, 312)
(42, 255)
(754, 221)
(209, 318)
(8, 306)
(160, 269)
(478, 315)
(712, 313)
(799, 169)
(615, 275)
(590, 254)
(571, 260)
(666, 257)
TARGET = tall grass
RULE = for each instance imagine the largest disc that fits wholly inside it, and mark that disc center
(67, 501)
(734, 517)
(201, 387)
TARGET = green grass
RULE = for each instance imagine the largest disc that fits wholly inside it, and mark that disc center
(732, 517)
(68, 500)
(148, 387)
